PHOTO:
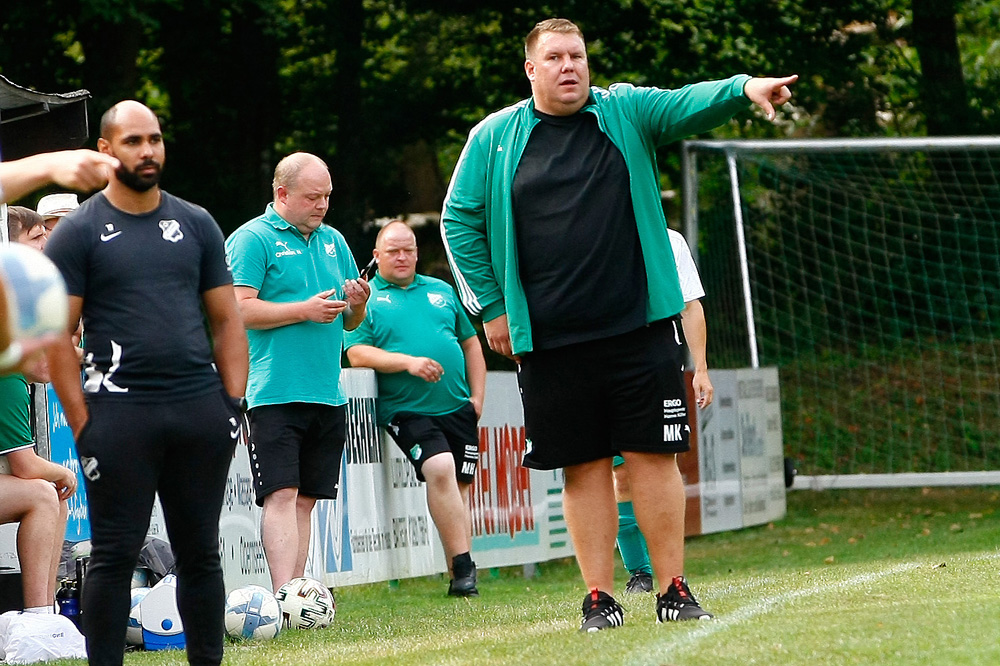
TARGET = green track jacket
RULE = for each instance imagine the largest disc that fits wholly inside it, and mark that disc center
(477, 222)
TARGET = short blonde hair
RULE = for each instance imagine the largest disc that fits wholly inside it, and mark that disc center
(564, 26)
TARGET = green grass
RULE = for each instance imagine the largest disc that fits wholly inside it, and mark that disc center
(849, 577)
(917, 406)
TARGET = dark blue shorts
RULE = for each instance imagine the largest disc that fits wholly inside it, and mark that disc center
(591, 400)
(297, 445)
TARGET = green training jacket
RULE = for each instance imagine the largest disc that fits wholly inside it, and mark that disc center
(477, 222)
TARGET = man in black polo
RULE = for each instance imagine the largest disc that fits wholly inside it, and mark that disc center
(161, 410)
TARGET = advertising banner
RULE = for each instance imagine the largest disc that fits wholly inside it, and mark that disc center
(741, 458)
(379, 527)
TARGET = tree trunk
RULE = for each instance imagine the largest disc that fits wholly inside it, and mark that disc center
(110, 67)
(943, 93)
(348, 208)
(219, 68)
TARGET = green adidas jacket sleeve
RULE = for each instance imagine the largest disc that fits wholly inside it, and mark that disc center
(669, 115)
(464, 232)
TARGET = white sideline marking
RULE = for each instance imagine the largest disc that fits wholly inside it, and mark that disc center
(707, 628)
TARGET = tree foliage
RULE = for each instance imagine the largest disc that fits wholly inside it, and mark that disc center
(387, 90)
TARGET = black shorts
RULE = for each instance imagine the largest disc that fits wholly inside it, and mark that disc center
(297, 445)
(591, 400)
(419, 437)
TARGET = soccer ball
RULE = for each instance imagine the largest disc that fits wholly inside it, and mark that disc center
(252, 612)
(305, 604)
(133, 634)
(36, 293)
(80, 549)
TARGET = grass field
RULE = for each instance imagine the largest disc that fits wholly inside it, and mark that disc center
(849, 577)
(925, 407)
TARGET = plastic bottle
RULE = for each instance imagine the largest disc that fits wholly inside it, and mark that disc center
(68, 598)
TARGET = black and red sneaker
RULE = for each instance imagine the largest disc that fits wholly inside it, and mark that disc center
(601, 611)
(677, 603)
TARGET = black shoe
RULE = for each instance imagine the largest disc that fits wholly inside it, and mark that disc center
(677, 603)
(464, 582)
(640, 583)
(601, 611)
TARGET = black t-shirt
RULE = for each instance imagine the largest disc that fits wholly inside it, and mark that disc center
(141, 278)
(578, 245)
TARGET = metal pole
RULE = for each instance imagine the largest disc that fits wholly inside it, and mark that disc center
(846, 145)
(741, 241)
(689, 193)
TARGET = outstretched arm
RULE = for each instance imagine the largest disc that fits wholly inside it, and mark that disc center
(768, 92)
(83, 170)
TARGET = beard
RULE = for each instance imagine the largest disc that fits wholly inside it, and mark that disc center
(140, 183)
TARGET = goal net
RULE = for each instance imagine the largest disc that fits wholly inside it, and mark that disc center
(868, 272)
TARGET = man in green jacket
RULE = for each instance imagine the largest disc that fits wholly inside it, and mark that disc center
(555, 233)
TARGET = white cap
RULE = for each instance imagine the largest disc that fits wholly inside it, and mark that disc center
(57, 205)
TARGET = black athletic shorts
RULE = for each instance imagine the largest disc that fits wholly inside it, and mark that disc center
(591, 400)
(419, 437)
(297, 445)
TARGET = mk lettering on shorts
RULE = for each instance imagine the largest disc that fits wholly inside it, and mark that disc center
(468, 468)
(673, 432)
(674, 417)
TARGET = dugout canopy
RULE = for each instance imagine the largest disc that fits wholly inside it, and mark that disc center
(33, 122)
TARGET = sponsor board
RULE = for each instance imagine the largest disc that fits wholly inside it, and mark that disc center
(379, 527)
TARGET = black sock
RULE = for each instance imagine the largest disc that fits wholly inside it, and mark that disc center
(461, 565)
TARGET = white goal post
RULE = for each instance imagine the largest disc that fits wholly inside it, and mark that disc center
(868, 272)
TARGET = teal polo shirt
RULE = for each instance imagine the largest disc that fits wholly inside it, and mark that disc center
(299, 362)
(421, 319)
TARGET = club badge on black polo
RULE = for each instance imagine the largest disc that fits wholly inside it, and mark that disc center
(171, 230)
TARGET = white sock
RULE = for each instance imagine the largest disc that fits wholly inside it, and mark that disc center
(41, 610)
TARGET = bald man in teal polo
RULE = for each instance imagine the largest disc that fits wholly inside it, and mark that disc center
(298, 289)
(431, 383)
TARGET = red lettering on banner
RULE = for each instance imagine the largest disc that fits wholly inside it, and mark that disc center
(501, 491)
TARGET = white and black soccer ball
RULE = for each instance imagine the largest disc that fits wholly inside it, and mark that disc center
(306, 604)
(252, 612)
(133, 634)
(36, 300)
